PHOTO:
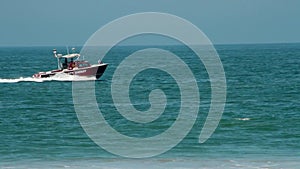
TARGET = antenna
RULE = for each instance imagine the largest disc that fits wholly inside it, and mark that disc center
(67, 49)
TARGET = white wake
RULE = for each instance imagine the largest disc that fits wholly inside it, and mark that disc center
(57, 77)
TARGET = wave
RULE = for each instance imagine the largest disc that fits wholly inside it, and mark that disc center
(57, 77)
(243, 119)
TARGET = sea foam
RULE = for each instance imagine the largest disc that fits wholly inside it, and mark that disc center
(57, 77)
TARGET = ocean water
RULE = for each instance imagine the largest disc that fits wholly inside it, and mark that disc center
(260, 126)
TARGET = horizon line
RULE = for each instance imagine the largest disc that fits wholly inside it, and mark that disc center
(217, 44)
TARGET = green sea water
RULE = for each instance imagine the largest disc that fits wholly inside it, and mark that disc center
(260, 126)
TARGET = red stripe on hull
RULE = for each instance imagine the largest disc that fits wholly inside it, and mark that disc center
(91, 71)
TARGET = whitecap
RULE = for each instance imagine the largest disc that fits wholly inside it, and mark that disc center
(243, 119)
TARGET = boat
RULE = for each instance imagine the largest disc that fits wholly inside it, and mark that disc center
(71, 64)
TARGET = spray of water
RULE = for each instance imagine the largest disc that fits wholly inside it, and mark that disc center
(58, 77)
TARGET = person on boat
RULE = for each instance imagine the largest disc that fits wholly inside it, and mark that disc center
(71, 65)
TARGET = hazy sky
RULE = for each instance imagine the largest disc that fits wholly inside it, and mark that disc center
(72, 22)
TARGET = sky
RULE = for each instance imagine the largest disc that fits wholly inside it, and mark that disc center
(72, 22)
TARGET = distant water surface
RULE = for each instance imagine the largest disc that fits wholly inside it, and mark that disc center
(259, 128)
